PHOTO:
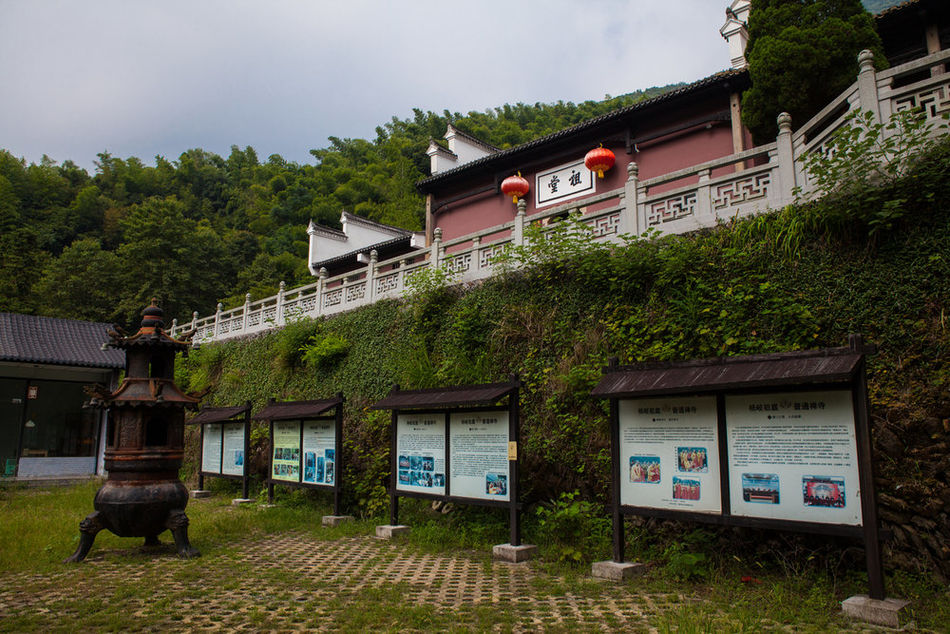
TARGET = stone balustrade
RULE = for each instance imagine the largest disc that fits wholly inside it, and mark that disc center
(753, 181)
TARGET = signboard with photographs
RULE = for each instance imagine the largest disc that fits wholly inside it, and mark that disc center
(285, 461)
(420, 450)
(479, 455)
(669, 454)
(232, 460)
(319, 452)
(211, 448)
(793, 456)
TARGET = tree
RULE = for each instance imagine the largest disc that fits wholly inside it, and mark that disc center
(82, 283)
(802, 54)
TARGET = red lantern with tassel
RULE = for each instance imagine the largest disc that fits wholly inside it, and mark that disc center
(514, 186)
(599, 160)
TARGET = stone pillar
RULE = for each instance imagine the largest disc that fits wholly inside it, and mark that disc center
(279, 317)
(517, 233)
(786, 160)
(867, 84)
(371, 273)
(247, 309)
(628, 216)
(703, 203)
(932, 36)
(194, 320)
(217, 318)
(174, 330)
(476, 253)
(321, 289)
(436, 249)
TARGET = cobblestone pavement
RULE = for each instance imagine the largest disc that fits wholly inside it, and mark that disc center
(297, 581)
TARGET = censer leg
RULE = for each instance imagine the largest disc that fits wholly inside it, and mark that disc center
(178, 524)
(152, 541)
(88, 528)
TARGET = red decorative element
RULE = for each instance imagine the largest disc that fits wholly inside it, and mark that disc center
(514, 186)
(599, 160)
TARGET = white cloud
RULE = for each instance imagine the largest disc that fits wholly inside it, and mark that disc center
(142, 79)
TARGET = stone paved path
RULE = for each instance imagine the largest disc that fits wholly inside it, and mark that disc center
(295, 581)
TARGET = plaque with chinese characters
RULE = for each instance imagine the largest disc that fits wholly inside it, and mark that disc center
(563, 183)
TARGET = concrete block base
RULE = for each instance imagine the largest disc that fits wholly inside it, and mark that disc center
(241, 501)
(336, 520)
(199, 493)
(389, 531)
(617, 571)
(887, 612)
(513, 554)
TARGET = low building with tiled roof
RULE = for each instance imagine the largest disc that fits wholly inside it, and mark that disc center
(46, 430)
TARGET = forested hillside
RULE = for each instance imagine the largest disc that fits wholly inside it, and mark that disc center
(205, 228)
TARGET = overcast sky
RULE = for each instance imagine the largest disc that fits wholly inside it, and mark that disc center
(138, 78)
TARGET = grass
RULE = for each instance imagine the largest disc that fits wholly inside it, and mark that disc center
(246, 578)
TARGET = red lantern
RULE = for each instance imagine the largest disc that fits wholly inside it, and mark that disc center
(599, 160)
(514, 186)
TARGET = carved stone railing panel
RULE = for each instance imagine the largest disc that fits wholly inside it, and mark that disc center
(269, 315)
(741, 190)
(387, 283)
(458, 263)
(671, 208)
(332, 298)
(355, 292)
(254, 319)
(934, 101)
(487, 254)
(605, 225)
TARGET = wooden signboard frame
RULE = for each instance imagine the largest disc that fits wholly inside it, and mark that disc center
(786, 374)
(223, 416)
(439, 406)
(301, 413)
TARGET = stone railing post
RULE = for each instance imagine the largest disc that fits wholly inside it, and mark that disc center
(786, 160)
(247, 309)
(194, 320)
(703, 201)
(217, 318)
(436, 249)
(279, 316)
(321, 289)
(628, 217)
(174, 330)
(371, 273)
(401, 276)
(476, 253)
(517, 233)
(867, 85)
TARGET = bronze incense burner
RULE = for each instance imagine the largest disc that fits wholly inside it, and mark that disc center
(143, 496)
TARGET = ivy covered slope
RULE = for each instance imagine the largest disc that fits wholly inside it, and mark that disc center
(874, 260)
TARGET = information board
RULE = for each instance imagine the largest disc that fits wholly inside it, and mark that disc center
(286, 458)
(420, 450)
(319, 452)
(793, 456)
(211, 448)
(233, 442)
(669, 454)
(479, 455)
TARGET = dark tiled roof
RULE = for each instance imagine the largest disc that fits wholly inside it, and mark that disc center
(466, 395)
(32, 339)
(835, 365)
(289, 410)
(723, 77)
(896, 8)
(387, 245)
(217, 414)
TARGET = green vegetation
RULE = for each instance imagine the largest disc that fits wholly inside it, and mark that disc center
(99, 247)
(276, 568)
(802, 54)
(804, 277)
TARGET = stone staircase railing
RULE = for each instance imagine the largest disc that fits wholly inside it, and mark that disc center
(762, 178)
